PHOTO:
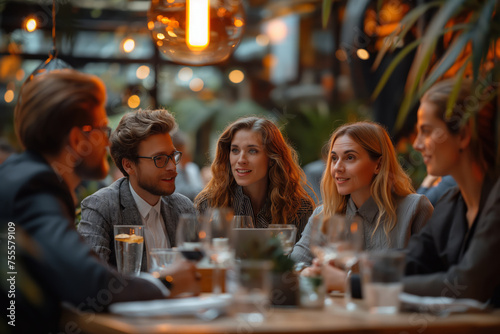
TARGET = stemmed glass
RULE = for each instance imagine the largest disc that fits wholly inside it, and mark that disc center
(243, 222)
(188, 238)
(286, 235)
(215, 234)
(319, 242)
(347, 240)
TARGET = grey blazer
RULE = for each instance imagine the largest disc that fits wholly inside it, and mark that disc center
(412, 213)
(114, 205)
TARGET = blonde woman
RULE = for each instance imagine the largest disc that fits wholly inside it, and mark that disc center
(256, 173)
(363, 177)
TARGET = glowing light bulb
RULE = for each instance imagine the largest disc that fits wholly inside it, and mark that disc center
(30, 25)
(198, 24)
(196, 32)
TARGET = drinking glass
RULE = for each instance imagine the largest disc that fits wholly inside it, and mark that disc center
(319, 242)
(129, 245)
(188, 237)
(215, 234)
(243, 222)
(286, 235)
(161, 258)
(347, 241)
(382, 272)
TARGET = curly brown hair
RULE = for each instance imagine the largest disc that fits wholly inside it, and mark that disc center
(285, 177)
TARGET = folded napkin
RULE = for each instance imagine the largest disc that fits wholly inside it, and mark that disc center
(440, 305)
(181, 306)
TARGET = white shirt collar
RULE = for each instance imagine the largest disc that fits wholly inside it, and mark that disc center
(143, 206)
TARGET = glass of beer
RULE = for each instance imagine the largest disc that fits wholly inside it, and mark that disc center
(129, 244)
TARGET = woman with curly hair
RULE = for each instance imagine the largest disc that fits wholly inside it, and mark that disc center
(256, 173)
(363, 177)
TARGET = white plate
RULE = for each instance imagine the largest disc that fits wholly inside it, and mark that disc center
(181, 306)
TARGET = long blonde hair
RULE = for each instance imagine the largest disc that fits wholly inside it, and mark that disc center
(286, 179)
(391, 180)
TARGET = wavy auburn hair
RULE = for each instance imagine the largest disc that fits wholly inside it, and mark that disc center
(286, 179)
(391, 180)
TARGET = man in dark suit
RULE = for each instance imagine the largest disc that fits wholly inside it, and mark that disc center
(143, 150)
(61, 122)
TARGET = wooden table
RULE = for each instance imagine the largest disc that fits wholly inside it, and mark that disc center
(332, 319)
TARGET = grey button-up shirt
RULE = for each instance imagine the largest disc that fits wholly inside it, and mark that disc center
(412, 213)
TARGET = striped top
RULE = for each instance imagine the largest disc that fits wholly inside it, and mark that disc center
(242, 206)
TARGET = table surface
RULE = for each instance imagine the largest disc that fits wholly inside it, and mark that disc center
(333, 318)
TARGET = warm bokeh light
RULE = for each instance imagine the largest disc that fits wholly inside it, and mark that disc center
(196, 84)
(160, 36)
(341, 55)
(238, 23)
(30, 25)
(277, 31)
(262, 40)
(363, 54)
(198, 24)
(142, 72)
(128, 45)
(134, 101)
(20, 74)
(9, 96)
(185, 74)
(236, 76)
(269, 61)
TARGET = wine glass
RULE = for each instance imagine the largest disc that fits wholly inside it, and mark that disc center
(215, 234)
(286, 235)
(347, 239)
(319, 242)
(243, 222)
(188, 237)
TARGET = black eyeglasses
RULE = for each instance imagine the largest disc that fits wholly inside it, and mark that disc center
(106, 129)
(161, 160)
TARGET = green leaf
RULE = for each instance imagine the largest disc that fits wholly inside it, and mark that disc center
(456, 89)
(480, 40)
(392, 66)
(448, 59)
(432, 34)
(326, 9)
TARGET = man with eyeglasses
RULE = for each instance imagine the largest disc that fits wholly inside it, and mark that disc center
(142, 149)
(61, 122)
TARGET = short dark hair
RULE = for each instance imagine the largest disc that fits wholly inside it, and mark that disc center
(51, 104)
(135, 127)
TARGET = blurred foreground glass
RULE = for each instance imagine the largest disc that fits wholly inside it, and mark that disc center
(214, 235)
(381, 276)
(129, 245)
(243, 222)
(189, 236)
(161, 259)
(196, 32)
(286, 235)
(249, 282)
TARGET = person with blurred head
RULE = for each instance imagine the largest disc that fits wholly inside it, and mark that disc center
(455, 255)
(142, 149)
(256, 173)
(61, 122)
(364, 178)
(188, 181)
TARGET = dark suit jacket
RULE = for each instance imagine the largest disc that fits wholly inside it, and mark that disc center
(448, 259)
(114, 205)
(52, 264)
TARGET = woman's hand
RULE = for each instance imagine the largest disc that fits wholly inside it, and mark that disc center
(333, 277)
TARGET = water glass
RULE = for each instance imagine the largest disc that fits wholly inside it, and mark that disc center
(161, 258)
(249, 282)
(129, 245)
(381, 276)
